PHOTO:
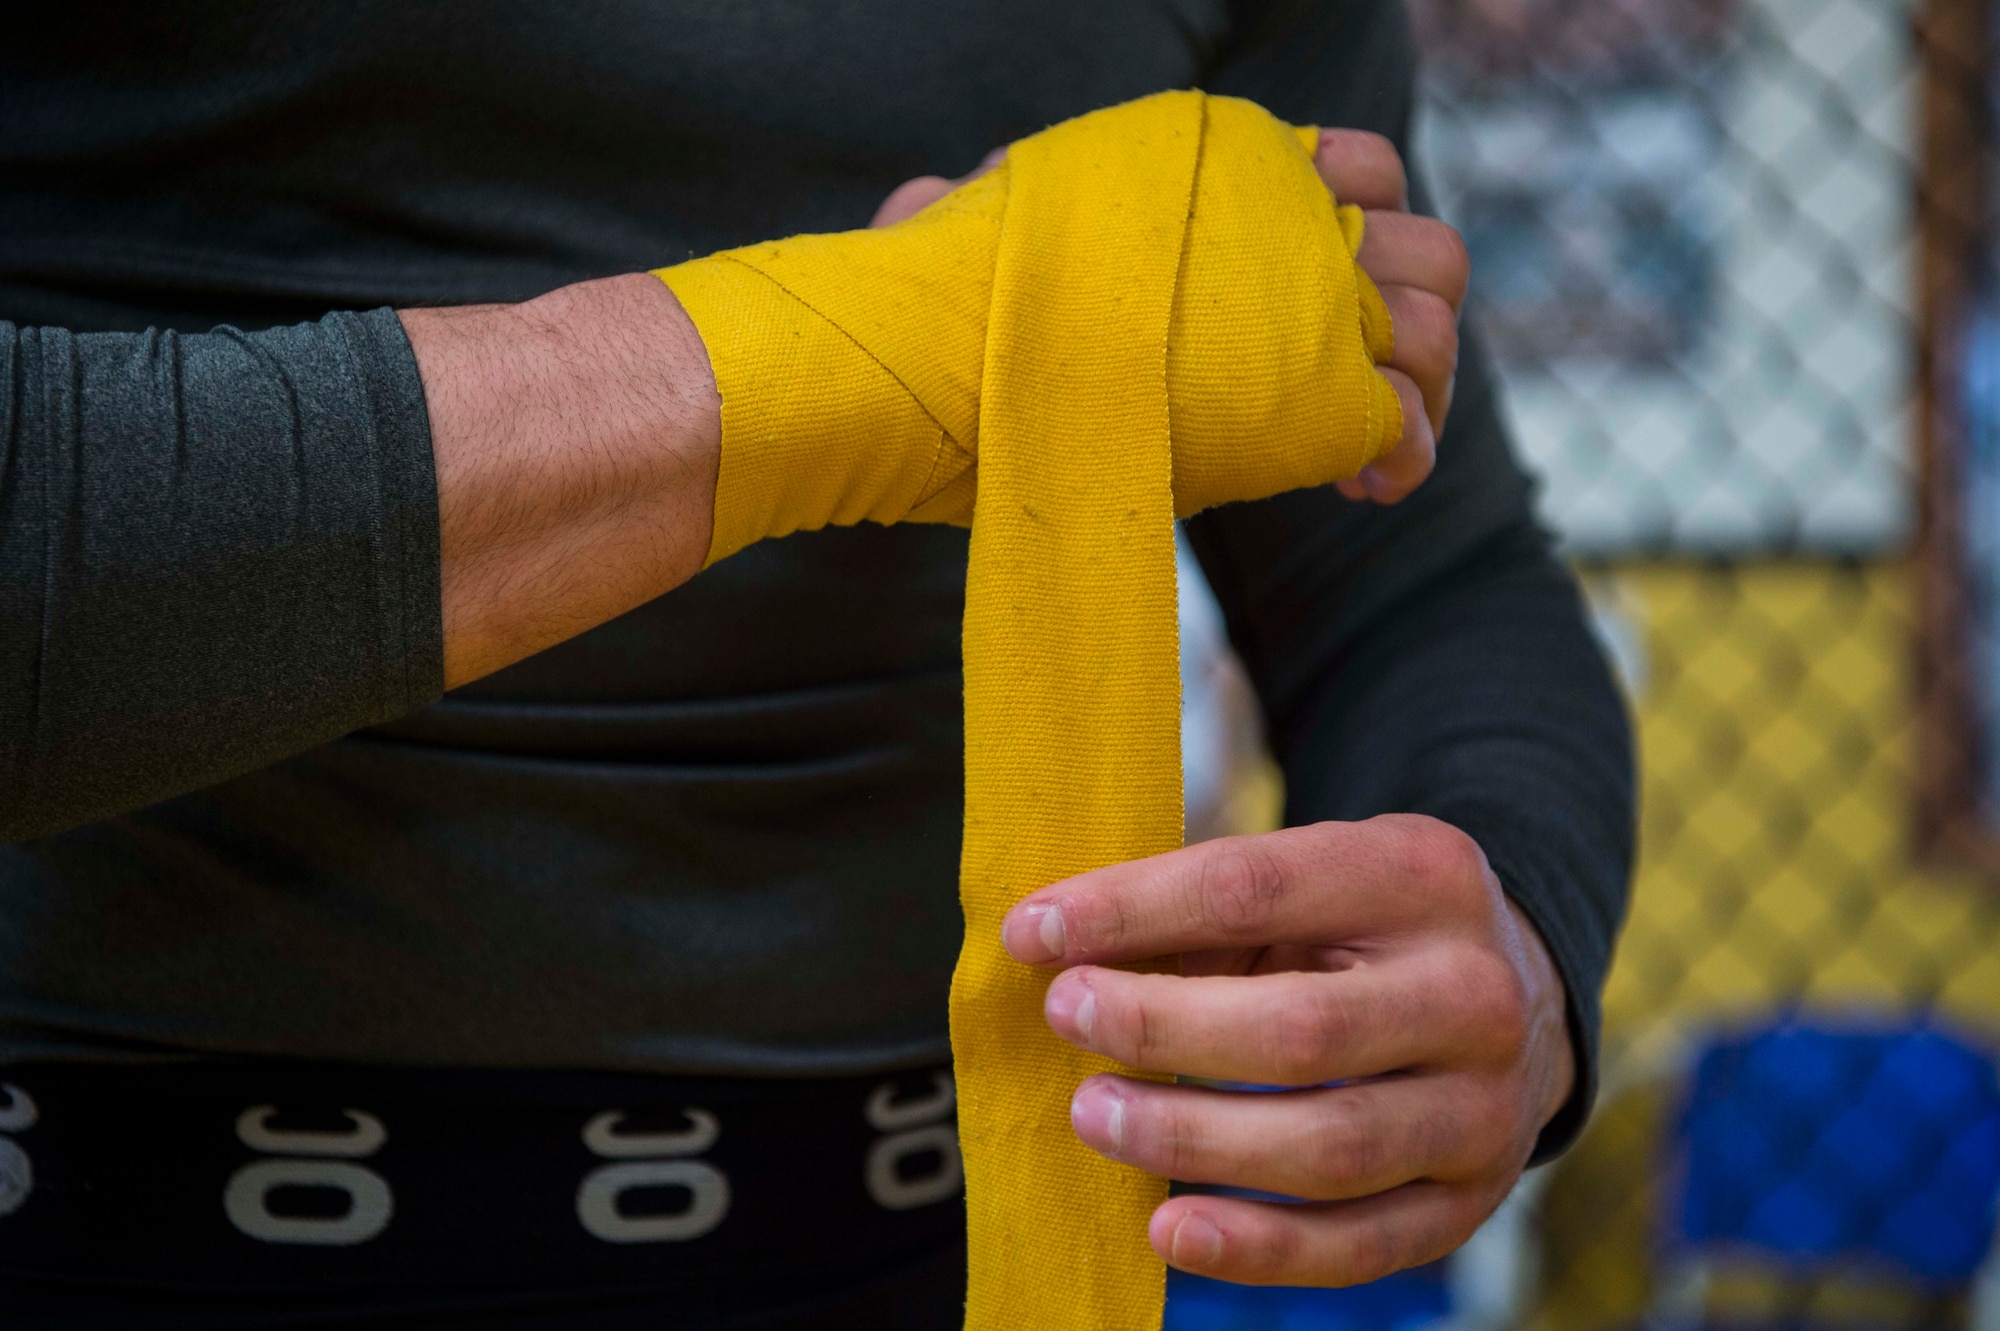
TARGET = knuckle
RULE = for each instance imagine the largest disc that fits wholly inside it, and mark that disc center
(1301, 1033)
(1131, 1029)
(1341, 1153)
(1372, 1253)
(1273, 1254)
(1489, 998)
(1170, 1139)
(1103, 925)
(1510, 1025)
(1487, 978)
(1411, 852)
(1456, 1137)
(1450, 860)
(1433, 854)
(1239, 889)
(1465, 860)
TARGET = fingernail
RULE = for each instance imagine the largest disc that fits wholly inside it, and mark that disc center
(1197, 1244)
(1034, 934)
(1098, 1114)
(1071, 1008)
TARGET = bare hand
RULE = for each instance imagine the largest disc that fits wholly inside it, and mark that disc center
(1381, 956)
(1418, 263)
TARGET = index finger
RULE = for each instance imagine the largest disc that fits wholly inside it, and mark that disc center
(1363, 169)
(1297, 885)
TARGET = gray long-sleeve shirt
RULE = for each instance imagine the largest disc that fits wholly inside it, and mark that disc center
(215, 551)
(719, 833)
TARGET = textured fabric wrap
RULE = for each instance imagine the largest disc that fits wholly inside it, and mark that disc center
(1143, 312)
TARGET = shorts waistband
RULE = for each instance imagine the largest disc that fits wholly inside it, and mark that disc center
(246, 1175)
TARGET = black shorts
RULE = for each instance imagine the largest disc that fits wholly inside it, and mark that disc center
(267, 1194)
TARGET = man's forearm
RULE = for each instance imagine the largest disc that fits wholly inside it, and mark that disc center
(217, 550)
(576, 438)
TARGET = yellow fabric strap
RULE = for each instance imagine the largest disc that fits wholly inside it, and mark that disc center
(1145, 311)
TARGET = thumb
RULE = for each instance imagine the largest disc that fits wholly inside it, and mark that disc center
(913, 196)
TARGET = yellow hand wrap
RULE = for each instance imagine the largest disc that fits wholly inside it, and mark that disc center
(1144, 312)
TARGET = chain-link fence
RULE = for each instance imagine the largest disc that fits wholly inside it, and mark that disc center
(1691, 227)
(1730, 256)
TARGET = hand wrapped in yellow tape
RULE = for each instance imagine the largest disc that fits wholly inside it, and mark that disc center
(851, 366)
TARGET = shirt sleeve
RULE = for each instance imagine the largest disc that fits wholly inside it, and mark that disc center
(1432, 657)
(216, 550)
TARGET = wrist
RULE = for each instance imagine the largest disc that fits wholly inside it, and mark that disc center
(576, 438)
(615, 370)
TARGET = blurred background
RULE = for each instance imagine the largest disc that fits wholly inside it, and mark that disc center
(1735, 259)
